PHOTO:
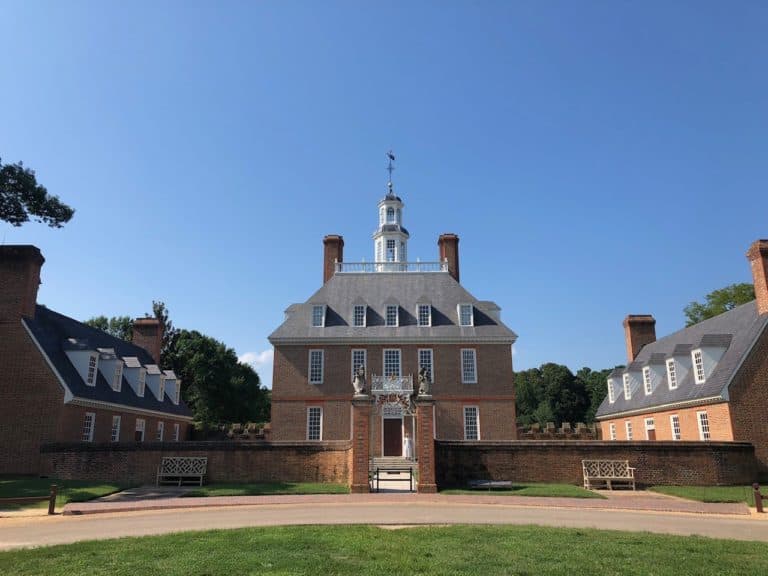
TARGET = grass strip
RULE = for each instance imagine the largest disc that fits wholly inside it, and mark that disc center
(268, 488)
(531, 489)
(68, 490)
(710, 493)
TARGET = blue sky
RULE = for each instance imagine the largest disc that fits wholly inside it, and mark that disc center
(596, 158)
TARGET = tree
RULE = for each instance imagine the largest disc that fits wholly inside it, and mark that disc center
(21, 197)
(170, 333)
(595, 385)
(719, 301)
(118, 326)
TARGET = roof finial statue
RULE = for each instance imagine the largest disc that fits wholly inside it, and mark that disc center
(390, 168)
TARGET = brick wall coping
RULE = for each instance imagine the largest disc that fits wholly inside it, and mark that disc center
(592, 444)
(201, 446)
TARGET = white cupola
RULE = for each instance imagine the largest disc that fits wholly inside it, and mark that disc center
(390, 241)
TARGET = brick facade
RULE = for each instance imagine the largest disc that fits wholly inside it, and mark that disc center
(718, 415)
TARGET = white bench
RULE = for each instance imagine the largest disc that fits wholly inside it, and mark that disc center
(182, 470)
(607, 473)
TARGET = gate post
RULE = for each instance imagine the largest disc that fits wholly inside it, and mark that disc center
(361, 425)
(425, 445)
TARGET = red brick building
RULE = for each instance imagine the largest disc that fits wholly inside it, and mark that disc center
(706, 382)
(63, 381)
(408, 325)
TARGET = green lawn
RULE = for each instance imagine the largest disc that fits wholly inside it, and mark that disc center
(268, 488)
(367, 550)
(710, 493)
(69, 490)
(522, 489)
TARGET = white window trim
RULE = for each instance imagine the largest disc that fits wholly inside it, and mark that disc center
(612, 431)
(309, 410)
(474, 361)
(672, 426)
(627, 387)
(142, 429)
(322, 319)
(477, 421)
(628, 429)
(650, 424)
(161, 389)
(399, 360)
(115, 434)
(352, 360)
(397, 315)
(117, 379)
(471, 314)
(701, 427)
(647, 380)
(89, 416)
(354, 317)
(322, 366)
(142, 382)
(698, 378)
(431, 361)
(429, 315)
(611, 392)
(176, 431)
(91, 377)
(671, 374)
(160, 431)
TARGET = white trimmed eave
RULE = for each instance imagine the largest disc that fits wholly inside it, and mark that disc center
(88, 403)
(68, 396)
(394, 339)
(663, 407)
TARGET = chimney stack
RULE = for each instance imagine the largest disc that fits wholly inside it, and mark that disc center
(19, 281)
(448, 246)
(148, 334)
(334, 252)
(639, 330)
(758, 258)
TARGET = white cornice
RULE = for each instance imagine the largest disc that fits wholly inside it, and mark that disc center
(67, 392)
(663, 407)
(392, 340)
(88, 403)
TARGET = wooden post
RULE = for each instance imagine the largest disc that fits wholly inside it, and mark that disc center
(52, 499)
(758, 498)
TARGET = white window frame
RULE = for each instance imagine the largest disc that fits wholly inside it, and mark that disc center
(89, 427)
(399, 362)
(612, 431)
(674, 425)
(431, 364)
(627, 387)
(176, 431)
(355, 310)
(419, 309)
(647, 380)
(314, 319)
(116, 422)
(160, 432)
(628, 429)
(161, 389)
(390, 256)
(477, 422)
(142, 381)
(697, 357)
(702, 419)
(650, 424)
(397, 315)
(671, 373)
(142, 429)
(177, 392)
(318, 410)
(353, 364)
(92, 371)
(467, 353)
(459, 309)
(117, 379)
(611, 392)
(310, 376)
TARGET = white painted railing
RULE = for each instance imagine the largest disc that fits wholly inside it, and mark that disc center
(391, 383)
(372, 267)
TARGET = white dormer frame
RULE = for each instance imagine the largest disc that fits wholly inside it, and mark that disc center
(419, 309)
(671, 373)
(387, 310)
(318, 315)
(697, 360)
(364, 313)
(627, 386)
(117, 379)
(647, 380)
(611, 392)
(92, 371)
(161, 389)
(142, 381)
(470, 316)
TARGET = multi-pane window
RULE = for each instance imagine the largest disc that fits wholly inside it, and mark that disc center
(392, 363)
(674, 423)
(390, 250)
(160, 431)
(468, 366)
(115, 429)
(611, 392)
(315, 366)
(176, 392)
(425, 315)
(176, 431)
(465, 315)
(628, 427)
(117, 380)
(647, 382)
(358, 360)
(390, 216)
(703, 425)
(612, 430)
(698, 366)
(91, 379)
(671, 374)
(358, 315)
(314, 423)
(89, 423)
(161, 389)
(391, 315)
(139, 433)
(471, 423)
(627, 387)
(425, 361)
(650, 426)
(142, 380)
(318, 316)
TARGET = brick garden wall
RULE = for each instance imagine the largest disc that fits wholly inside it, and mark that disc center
(227, 461)
(684, 463)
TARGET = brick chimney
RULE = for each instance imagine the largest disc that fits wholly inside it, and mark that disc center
(19, 281)
(448, 246)
(334, 252)
(639, 330)
(148, 333)
(758, 258)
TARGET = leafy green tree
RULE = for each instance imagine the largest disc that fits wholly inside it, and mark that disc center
(528, 395)
(170, 334)
(595, 385)
(21, 197)
(719, 301)
(118, 326)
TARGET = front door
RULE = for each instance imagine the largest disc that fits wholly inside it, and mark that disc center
(393, 437)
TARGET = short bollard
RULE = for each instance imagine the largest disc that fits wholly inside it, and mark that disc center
(758, 498)
(52, 499)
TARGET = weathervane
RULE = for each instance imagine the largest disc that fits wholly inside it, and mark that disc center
(390, 168)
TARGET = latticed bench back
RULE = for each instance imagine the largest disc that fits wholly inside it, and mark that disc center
(183, 465)
(607, 469)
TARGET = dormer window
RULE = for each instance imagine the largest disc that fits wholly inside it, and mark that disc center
(611, 392)
(176, 395)
(424, 313)
(465, 315)
(698, 366)
(142, 381)
(318, 316)
(627, 387)
(117, 381)
(92, 365)
(161, 389)
(391, 315)
(358, 315)
(647, 381)
(671, 374)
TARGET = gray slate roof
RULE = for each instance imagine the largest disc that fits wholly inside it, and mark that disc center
(56, 333)
(376, 290)
(736, 329)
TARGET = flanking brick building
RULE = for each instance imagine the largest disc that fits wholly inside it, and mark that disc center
(407, 325)
(706, 382)
(63, 381)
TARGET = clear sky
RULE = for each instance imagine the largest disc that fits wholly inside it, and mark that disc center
(596, 158)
